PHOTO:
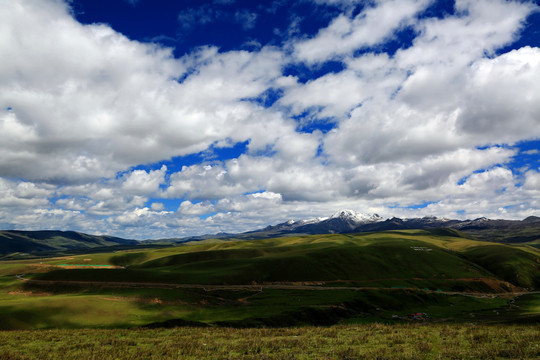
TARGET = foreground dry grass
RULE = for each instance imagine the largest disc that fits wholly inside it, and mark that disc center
(338, 342)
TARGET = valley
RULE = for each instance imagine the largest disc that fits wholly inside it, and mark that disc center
(304, 280)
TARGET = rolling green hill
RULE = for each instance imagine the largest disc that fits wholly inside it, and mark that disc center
(394, 258)
(511, 264)
(35, 242)
(317, 280)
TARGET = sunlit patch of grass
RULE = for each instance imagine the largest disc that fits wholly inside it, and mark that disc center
(338, 342)
(391, 277)
(35, 311)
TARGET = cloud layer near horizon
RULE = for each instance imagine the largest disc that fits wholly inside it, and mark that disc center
(428, 130)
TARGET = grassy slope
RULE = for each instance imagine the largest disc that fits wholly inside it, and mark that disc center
(42, 307)
(374, 341)
(388, 257)
(512, 264)
(518, 232)
(380, 259)
(51, 240)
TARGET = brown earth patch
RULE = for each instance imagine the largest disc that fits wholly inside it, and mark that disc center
(114, 298)
(495, 284)
(25, 293)
(29, 293)
(74, 266)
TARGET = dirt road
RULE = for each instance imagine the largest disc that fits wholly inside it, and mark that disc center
(260, 287)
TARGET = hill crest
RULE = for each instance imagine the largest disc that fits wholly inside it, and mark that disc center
(350, 221)
(23, 241)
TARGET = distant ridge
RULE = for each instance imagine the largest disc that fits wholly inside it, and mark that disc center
(18, 241)
(341, 222)
(350, 221)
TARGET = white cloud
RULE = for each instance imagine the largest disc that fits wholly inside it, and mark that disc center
(23, 194)
(202, 182)
(419, 125)
(262, 201)
(45, 219)
(189, 208)
(347, 93)
(336, 95)
(372, 26)
(73, 204)
(142, 182)
(479, 27)
(297, 148)
(532, 181)
(489, 182)
(452, 98)
(157, 206)
(491, 107)
(114, 196)
(140, 217)
(96, 102)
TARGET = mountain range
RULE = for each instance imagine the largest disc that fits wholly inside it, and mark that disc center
(53, 241)
(342, 222)
(350, 221)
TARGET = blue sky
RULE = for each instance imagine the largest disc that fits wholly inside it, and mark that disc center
(151, 119)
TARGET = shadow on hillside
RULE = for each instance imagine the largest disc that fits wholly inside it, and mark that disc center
(15, 318)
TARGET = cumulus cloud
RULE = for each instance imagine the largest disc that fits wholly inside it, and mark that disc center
(491, 108)
(434, 123)
(373, 25)
(111, 196)
(157, 206)
(139, 217)
(442, 106)
(189, 208)
(142, 182)
(202, 182)
(23, 194)
(97, 102)
(532, 181)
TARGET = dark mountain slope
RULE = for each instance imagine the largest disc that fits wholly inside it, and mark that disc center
(502, 231)
(13, 241)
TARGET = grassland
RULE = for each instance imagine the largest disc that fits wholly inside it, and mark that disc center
(329, 258)
(305, 280)
(17, 244)
(372, 341)
(306, 297)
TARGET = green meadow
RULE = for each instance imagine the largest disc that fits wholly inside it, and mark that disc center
(304, 280)
(372, 341)
(395, 294)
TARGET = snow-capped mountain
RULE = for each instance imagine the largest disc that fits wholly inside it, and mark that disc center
(341, 221)
(307, 221)
(356, 217)
(350, 221)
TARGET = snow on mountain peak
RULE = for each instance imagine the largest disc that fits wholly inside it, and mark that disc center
(434, 219)
(313, 221)
(355, 216)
